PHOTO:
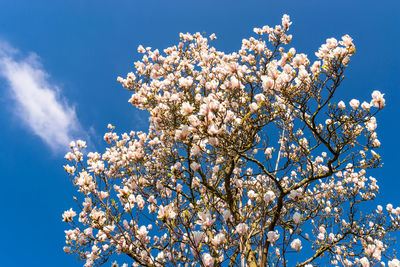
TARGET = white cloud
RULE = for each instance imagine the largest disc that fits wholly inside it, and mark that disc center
(39, 103)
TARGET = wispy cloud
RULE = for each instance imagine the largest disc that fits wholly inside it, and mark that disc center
(39, 103)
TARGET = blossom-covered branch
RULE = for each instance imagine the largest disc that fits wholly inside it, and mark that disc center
(247, 161)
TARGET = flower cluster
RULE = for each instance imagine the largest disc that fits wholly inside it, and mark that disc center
(247, 160)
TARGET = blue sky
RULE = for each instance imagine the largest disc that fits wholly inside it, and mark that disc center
(59, 61)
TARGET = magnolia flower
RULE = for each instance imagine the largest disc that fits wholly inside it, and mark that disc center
(195, 150)
(272, 236)
(379, 209)
(196, 238)
(218, 239)
(234, 82)
(141, 49)
(97, 216)
(259, 47)
(208, 260)
(142, 232)
(103, 194)
(259, 98)
(300, 59)
(84, 179)
(186, 108)
(253, 107)
(341, 105)
(374, 154)
(267, 83)
(69, 169)
(140, 202)
(268, 151)
(269, 196)
(321, 236)
(377, 99)
(226, 214)
(331, 237)
(331, 43)
(213, 129)
(376, 143)
(182, 133)
(296, 244)
(194, 121)
(316, 67)
(251, 194)
(396, 211)
(241, 228)
(205, 219)
(371, 124)
(286, 21)
(294, 194)
(160, 256)
(365, 106)
(72, 144)
(195, 166)
(347, 40)
(364, 262)
(68, 215)
(166, 212)
(389, 207)
(297, 218)
(394, 263)
(88, 231)
(69, 156)
(354, 103)
(186, 82)
(81, 144)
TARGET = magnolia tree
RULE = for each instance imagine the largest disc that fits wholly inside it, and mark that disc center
(248, 161)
